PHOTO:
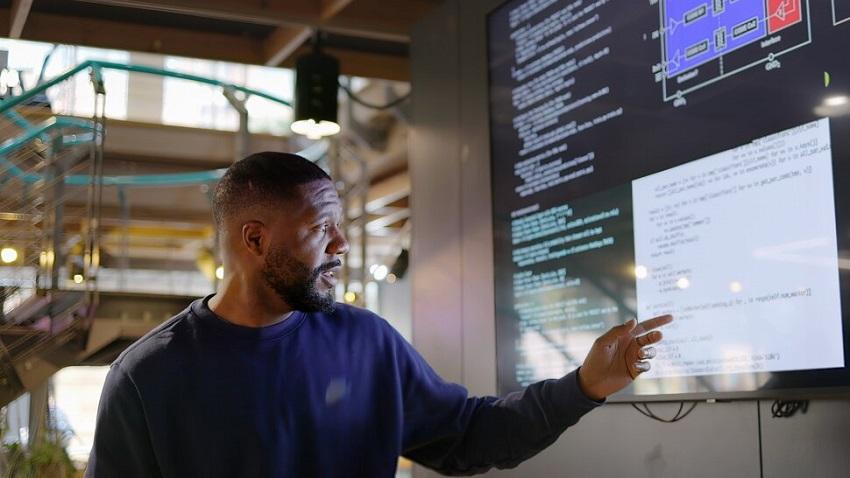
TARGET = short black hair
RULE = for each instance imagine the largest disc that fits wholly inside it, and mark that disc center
(262, 178)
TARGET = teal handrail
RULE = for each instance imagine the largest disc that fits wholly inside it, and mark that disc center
(18, 120)
(314, 152)
(108, 65)
(30, 133)
(175, 179)
(56, 122)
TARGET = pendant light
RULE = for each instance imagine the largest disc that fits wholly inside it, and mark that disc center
(316, 87)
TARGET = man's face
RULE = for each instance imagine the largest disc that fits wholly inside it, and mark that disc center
(303, 257)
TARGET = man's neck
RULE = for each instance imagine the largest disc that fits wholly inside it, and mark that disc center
(248, 306)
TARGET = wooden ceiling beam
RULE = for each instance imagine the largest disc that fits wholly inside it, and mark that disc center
(260, 12)
(133, 37)
(283, 42)
(180, 42)
(367, 65)
(398, 15)
(19, 12)
(307, 13)
(331, 7)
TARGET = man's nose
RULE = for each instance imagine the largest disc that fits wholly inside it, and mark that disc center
(339, 245)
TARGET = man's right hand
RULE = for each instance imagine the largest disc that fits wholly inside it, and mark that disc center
(619, 356)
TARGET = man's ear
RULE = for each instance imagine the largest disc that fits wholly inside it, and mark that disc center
(254, 237)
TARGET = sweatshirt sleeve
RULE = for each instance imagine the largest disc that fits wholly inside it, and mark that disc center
(122, 445)
(454, 434)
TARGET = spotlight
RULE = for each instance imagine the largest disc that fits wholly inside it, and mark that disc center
(835, 100)
(219, 272)
(316, 89)
(45, 258)
(380, 272)
(350, 297)
(78, 278)
(314, 130)
(8, 255)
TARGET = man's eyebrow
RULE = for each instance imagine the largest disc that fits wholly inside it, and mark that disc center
(327, 209)
(328, 203)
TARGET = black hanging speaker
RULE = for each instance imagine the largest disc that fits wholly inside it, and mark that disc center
(316, 85)
(399, 267)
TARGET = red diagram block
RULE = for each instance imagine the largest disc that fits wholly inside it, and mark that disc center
(782, 14)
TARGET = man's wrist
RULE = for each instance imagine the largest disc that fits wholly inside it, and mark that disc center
(586, 389)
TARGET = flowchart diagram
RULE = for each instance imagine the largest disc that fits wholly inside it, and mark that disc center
(704, 41)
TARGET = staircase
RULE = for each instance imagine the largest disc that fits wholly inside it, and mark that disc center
(47, 288)
(52, 314)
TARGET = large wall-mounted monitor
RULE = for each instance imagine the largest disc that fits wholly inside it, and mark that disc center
(674, 156)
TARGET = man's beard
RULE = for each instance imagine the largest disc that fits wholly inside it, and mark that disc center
(295, 283)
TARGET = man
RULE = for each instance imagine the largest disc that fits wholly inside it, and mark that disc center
(269, 377)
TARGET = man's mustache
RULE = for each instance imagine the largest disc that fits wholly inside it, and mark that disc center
(326, 267)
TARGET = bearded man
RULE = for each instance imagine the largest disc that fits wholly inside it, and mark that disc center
(269, 377)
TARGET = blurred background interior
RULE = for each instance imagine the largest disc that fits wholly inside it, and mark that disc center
(90, 266)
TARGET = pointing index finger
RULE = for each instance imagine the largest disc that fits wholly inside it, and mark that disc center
(652, 324)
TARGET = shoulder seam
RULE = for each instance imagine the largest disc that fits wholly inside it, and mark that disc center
(174, 321)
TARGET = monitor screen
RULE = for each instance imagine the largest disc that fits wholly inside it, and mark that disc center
(689, 157)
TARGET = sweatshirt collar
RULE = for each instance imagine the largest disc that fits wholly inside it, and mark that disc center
(202, 310)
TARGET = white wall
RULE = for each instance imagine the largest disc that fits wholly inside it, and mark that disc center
(394, 305)
(452, 278)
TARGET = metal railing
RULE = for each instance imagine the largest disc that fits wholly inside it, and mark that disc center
(51, 189)
(47, 229)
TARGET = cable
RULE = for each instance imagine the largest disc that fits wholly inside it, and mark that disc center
(761, 450)
(44, 63)
(787, 408)
(645, 411)
(374, 106)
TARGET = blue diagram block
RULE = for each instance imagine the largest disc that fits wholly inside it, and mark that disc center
(698, 31)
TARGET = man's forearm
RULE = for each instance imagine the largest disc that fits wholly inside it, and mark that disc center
(504, 432)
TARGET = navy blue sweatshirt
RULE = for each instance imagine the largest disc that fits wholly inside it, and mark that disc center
(330, 395)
